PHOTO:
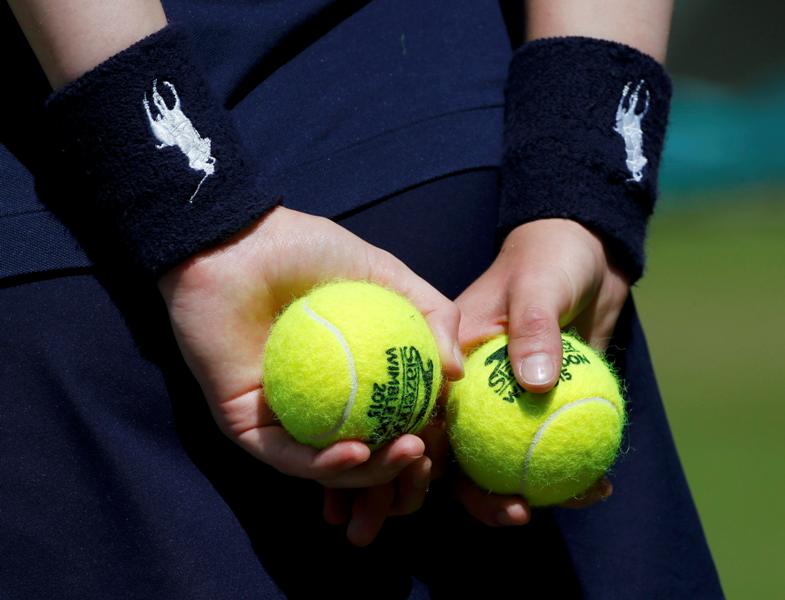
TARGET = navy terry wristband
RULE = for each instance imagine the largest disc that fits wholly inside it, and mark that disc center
(585, 123)
(141, 141)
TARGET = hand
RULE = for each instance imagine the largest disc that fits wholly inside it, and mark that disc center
(221, 304)
(366, 510)
(549, 274)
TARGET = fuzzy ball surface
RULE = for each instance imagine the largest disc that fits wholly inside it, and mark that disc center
(351, 360)
(546, 447)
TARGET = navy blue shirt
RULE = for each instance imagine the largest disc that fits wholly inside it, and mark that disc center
(338, 104)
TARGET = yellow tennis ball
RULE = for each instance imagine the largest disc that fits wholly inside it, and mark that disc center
(351, 360)
(546, 447)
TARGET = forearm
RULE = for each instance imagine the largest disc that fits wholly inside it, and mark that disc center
(642, 24)
(70, 37)
(586, 98)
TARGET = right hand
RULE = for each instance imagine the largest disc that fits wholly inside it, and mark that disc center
(222, 303)
(549, 274)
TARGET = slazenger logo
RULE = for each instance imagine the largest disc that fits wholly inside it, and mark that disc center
(394, 404)
(171, 127)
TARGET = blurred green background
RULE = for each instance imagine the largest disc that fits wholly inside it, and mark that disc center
(713, 296)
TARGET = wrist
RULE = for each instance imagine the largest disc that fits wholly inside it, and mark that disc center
(154, 156)
(584, 126)
(202, 270)
(567, 233)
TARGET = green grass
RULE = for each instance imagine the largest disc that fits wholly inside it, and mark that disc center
(713, 305)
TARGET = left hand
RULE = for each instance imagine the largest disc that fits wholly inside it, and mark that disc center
(549, 274)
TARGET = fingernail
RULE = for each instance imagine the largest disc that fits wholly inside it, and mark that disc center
(606, 491)
(537, 369)
(456, 351)
(512, 515)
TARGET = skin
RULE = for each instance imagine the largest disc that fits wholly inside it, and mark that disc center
(549, 273)
(70, 37)
(554, 272)
(229, 284)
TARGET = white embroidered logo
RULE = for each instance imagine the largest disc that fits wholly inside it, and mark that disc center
(172, 128)
(628, 126)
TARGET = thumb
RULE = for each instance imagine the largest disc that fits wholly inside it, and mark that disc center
(442, 315)
(534, 307)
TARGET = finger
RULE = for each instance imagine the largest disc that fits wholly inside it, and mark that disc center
(595, 326)
(492, 509)
(369, 511)
(337, 505)
(483, 307)
(442, 315)
(536, 302)
(599, 492)
(597, 321)
(274, 446)
(412, 486)
(437, 446)
(384, 465)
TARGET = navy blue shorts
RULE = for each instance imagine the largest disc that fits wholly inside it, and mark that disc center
(116, 483)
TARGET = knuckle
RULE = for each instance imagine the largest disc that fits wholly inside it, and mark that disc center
(227, 428)
(450, 311)
(282, 461)
(532, 323)
(385, 265)
(313, 472)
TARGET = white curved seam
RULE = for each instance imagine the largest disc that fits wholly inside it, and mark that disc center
(544, 426)
(352, 372)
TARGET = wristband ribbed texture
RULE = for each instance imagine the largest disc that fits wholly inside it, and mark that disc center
(152, 158)
(585, 122)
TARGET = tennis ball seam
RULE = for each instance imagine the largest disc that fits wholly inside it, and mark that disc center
(347, 410)
(541, 430)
